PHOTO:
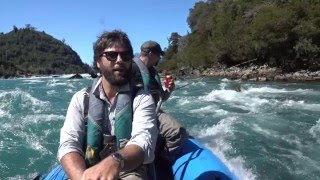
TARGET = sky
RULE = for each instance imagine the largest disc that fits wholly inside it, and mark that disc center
(80, 22)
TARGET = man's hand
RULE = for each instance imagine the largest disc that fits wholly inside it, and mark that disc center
(108, 169)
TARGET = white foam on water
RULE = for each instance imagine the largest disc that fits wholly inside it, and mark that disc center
(218, 95)
(42, 118)
(282, 91)
(207, 109)
(34, 77)
(315, 131)
(4, 104)
(3, 167)
(256, 100)
(25, 97)
(268, 133)
(19, 177)
(32, 137)
(2, 143)
(185, 92)
(216, 138)
(26, 131)
(35, 143)
(47, 132)
(67, 76)
(231, 85)
(55, 82)
(293, 154)
(183, 101)
(292, 139)
(4, 113)
(5, 127)
(70, 85)
(233, 98)
(287, 138)
(263, 90)
(225, 80)
(180, 83)
(185, 84)
(69, 90)
(51, 92)
(301, 105)
(211, 109)
(27, 101)
(33, 81)
(299, 158)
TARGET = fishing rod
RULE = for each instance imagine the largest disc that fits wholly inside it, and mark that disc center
(183, 86)
(187, 84)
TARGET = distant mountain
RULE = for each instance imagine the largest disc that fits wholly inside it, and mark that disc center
(25, 52)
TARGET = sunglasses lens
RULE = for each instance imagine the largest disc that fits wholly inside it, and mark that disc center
(126, 56)
(113, 55)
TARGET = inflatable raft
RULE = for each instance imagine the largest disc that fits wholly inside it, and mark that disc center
(194, 162)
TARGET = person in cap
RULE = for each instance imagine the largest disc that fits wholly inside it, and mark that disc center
(172, 135)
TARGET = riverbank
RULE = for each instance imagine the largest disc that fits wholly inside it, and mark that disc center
(252, 73)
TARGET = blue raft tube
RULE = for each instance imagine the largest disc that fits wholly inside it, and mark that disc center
(196, 162)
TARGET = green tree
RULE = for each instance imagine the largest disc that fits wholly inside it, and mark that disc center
(284, 34)
(26, 51)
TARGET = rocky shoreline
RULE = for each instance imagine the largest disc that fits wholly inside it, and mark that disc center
(252, 73)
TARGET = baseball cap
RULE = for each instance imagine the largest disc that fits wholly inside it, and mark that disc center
(151, 46)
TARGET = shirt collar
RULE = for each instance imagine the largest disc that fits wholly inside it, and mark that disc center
(98, 91)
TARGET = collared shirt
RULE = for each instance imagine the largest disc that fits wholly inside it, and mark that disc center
(144, 127)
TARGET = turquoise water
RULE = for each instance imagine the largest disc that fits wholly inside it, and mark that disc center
(266, 131)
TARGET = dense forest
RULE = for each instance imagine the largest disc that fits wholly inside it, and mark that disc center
(26, 51)
(224, 33)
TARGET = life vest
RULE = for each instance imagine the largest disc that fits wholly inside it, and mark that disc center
(155, 89)
(97, 117)
(145, 74)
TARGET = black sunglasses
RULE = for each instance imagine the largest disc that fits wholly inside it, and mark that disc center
(113, 55)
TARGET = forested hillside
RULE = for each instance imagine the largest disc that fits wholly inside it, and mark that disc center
(278, 33)
(26, 51)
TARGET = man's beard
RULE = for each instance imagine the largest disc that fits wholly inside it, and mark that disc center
(116, 79)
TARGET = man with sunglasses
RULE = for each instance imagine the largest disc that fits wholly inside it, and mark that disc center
(172, 134)
(117, 135)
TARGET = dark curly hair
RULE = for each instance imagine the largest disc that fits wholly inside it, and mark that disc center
(110, 39)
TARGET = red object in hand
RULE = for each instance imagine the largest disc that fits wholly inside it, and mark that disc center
(167, 80)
